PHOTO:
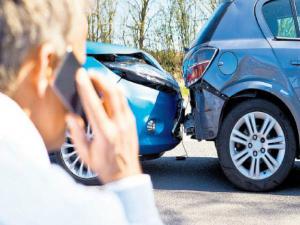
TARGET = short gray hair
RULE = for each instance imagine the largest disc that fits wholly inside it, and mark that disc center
(25, 25)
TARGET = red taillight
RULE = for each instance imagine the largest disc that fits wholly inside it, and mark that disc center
(197, 63)
(197, 71)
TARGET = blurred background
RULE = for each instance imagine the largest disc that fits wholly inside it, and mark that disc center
(163, 28)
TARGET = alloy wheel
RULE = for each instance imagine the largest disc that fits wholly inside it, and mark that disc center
(72, 160)
(257, 145)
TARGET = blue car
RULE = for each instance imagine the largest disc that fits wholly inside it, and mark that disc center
(243, 72)
(153, 95)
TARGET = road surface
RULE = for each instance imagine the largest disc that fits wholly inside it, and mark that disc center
(195, 191)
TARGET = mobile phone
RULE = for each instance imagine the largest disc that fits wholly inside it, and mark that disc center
(65, 85)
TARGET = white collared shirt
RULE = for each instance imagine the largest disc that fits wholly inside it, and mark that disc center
(34, 192)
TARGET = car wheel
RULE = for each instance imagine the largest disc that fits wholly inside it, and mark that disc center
(256, 145)
(70, 161)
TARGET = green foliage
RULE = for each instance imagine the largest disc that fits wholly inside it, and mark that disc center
(170, 60)
(286, 28)
(184, 91)
(163, 28)
(101, 21)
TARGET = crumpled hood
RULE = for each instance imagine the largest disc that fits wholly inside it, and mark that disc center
(145, 74)
(96, 48)
(134, 65)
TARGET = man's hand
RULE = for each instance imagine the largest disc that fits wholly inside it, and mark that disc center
(113, 152)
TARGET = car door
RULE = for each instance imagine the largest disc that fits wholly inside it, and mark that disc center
(282, 19)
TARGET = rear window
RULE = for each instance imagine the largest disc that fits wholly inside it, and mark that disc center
(279, 16)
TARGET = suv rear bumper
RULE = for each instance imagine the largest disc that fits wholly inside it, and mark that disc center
(207, 104)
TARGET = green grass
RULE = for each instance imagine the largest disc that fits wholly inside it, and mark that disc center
(184, 91)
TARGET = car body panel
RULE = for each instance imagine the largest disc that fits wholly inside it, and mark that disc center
(159, 79)
(208, 29)
(286, 51)
(96, 48)
(264, 63)
(147, 104)
(206, 114)
(104, 48)
(93, 64)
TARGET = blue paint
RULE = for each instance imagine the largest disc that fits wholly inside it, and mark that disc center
(146, 103)
(228, 63)
(250, 55)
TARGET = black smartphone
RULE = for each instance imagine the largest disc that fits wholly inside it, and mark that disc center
(65, 85)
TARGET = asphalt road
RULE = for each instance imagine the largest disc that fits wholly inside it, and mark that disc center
(195, 191)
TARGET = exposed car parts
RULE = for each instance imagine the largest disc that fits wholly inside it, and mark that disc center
(203, 122)
(136, 69)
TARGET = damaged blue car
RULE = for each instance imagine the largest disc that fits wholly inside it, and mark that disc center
(153, 95)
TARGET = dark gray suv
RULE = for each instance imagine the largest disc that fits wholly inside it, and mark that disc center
(243, 72)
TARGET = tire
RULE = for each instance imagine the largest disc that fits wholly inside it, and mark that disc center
(151, 156)
(247, 159)
(68, 156)
(82, 180)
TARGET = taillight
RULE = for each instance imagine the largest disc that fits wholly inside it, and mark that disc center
(197, 64)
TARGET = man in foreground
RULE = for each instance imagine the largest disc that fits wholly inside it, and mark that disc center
(34, 35)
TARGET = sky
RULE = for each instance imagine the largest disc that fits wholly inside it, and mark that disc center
(123, 13)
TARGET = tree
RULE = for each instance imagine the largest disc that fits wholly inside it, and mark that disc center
(190, 16)
(162, 43)
(213, 4)
(163, 28)
(101, 21)
(139, 21)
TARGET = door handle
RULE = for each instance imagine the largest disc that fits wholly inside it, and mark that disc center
(295, 62)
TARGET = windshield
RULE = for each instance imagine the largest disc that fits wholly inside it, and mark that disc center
(210, 26)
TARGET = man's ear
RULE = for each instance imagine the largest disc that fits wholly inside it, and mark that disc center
(43, 72)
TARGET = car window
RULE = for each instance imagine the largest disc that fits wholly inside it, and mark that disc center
(279, 16)
(298, 10)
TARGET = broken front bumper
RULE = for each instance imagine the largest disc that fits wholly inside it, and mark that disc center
(206, 108)
(179, 119)
(157, 110)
